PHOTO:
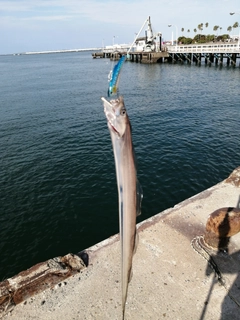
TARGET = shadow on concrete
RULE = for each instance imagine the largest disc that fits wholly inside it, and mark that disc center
(228, 266)
(225, 265)
(231, 302)
(238, 203)
(84, 256)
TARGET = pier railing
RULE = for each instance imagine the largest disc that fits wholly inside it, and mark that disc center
(208, 48)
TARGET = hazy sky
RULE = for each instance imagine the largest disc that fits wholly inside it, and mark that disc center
(37, 25)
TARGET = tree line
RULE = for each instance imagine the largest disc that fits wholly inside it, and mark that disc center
(202, 38)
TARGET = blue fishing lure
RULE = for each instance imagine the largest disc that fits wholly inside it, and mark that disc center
(114, 77)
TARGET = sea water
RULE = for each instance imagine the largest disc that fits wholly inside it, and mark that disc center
(58, 191)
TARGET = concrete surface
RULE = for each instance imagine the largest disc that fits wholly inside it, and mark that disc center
(170, 280)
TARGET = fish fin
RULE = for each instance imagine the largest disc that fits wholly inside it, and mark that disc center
(139, 198)
(136, 242)
(130, 275)
(134, 251)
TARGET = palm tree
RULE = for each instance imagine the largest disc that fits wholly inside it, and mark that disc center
(200, 27)
(195, 30)
(229, 29)
(215, 28)
(236, 25)
(182, 30)
(206, 24)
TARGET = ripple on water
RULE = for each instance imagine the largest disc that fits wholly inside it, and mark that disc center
(58, 181)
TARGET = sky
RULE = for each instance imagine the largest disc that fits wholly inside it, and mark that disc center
(39, 25)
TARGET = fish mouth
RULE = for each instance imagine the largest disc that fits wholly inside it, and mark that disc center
(113, 128)
(110, 118)
(110, 114)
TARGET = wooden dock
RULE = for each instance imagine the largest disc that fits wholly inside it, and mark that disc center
(142, 57)
(209, 53)
(98, 55)
(148, 57)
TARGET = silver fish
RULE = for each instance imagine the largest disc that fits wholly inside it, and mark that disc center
(129, 190)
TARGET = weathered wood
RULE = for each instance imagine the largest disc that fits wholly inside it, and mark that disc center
(97, 55)
(38, 278)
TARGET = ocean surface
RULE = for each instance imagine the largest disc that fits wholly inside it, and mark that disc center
(58, 191)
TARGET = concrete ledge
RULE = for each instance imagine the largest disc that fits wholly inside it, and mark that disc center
(170, 280)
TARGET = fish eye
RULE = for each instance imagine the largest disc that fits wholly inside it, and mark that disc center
(123, 111)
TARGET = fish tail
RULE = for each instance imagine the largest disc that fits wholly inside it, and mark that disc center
(123, 312)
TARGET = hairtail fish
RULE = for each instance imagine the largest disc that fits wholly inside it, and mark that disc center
(114, 77)
(129, 190)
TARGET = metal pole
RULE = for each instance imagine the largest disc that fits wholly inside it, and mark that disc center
(173, 25)
(137, 35)
(176, 36)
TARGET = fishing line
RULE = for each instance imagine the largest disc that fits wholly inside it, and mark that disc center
(113, 76)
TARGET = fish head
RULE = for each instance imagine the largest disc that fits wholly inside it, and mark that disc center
(116, 115)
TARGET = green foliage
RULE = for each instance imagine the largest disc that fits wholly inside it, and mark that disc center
(200, 27)
(210, 37)
(188, 40)
(201, 38)
(224, 36)
(236, 25)
(184, 40)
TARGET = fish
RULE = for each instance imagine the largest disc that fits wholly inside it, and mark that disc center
(114, 77)
(129, 190)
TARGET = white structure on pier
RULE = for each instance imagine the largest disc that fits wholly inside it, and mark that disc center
(220, 47)
(148, 43)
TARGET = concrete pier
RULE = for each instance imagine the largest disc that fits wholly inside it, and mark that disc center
(148, 57)
(211, 52)
(143, 57)
(170, 279)
(219, 53)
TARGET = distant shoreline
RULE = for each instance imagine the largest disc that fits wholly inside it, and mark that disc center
(51, 51)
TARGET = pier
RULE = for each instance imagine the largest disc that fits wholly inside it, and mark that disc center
(170, 279)
(148, 57)
(135, 56)
(209, 53)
